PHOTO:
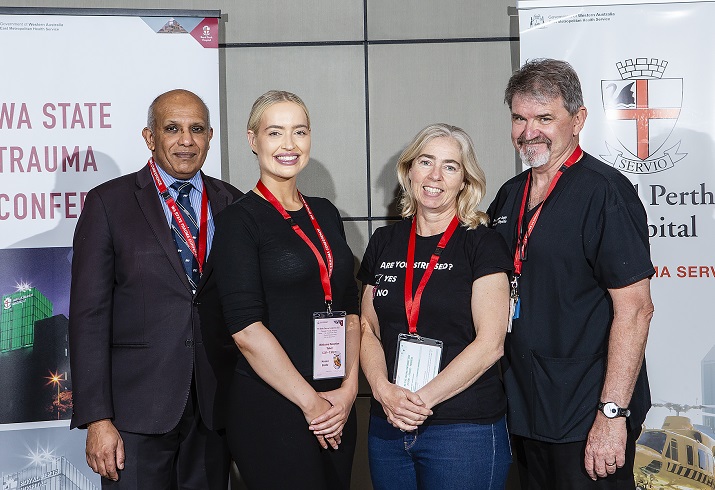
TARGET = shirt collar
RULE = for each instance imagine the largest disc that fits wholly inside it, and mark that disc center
(196, 180)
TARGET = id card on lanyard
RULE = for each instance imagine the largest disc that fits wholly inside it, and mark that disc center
(418, 358)
(523, 234)
(328, 326)
(328, 344)
(417, 361)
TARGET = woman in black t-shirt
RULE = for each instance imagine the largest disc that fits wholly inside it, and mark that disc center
(429, 430)
(279, 258)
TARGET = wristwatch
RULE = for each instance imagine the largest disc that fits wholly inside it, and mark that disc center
(611, 410)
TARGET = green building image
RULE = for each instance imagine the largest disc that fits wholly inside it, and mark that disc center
(20, 311)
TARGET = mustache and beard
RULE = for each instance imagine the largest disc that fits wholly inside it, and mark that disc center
(528, 153)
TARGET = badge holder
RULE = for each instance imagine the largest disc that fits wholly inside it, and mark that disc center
(328, 344)
(514, 302)
(417, 361)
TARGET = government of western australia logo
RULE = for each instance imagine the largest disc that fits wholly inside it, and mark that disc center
(642, 109)
(536, 20)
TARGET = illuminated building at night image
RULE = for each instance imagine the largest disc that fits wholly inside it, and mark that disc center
(34, 358)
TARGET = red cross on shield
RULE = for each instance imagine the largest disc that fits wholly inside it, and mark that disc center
(642, 112)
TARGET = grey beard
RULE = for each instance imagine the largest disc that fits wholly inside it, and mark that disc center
(534, 161)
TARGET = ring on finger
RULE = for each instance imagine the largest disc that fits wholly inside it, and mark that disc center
(611, 464)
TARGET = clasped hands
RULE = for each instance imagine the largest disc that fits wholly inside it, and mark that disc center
(329, 415)
(404, 409)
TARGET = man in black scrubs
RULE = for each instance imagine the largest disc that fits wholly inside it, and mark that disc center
(574, 371)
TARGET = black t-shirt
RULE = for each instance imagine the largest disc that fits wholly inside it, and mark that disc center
(591, 235)
(265, 272)
(446, 311)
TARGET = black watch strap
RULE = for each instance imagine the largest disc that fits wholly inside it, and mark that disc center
(611, 410)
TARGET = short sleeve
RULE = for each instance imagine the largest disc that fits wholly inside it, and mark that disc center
(489, 253)
(619, 248)
(366, 273)
(236, 266)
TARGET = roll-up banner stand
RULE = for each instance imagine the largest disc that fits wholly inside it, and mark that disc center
(647, 82)
(74, 92)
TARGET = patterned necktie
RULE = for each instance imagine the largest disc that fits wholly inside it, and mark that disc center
(188, 260)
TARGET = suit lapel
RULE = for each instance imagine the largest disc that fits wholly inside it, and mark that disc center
(217, 197)
(148, 199)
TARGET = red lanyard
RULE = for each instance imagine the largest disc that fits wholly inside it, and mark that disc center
(523, 239)
(200, 254)
(325, 271)
(412, 306)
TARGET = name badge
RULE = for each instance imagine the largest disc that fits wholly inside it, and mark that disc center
(328, 344)
(514, 302)
(417, 361)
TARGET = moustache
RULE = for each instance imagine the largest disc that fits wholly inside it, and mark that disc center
(540, 139)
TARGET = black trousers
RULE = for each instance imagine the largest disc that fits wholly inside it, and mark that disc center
(552, 466)
(272, 446)
(190, 457)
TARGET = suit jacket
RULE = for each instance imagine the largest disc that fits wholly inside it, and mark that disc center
(135, 335)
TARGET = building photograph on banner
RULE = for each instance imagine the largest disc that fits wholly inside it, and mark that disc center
(647, 87)
(73, 103)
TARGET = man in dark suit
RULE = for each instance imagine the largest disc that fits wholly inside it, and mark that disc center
(147, 375)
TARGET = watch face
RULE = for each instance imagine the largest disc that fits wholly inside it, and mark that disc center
(610, 410)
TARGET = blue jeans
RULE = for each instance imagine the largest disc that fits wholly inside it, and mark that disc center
(449, 456)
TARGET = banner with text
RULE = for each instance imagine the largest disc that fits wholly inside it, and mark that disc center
(73, 101)
(648, 93)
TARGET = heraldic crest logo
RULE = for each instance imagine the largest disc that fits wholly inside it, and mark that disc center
(642, 109)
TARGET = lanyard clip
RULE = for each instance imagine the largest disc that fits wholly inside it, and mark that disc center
(522, 247)
(329, 306)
